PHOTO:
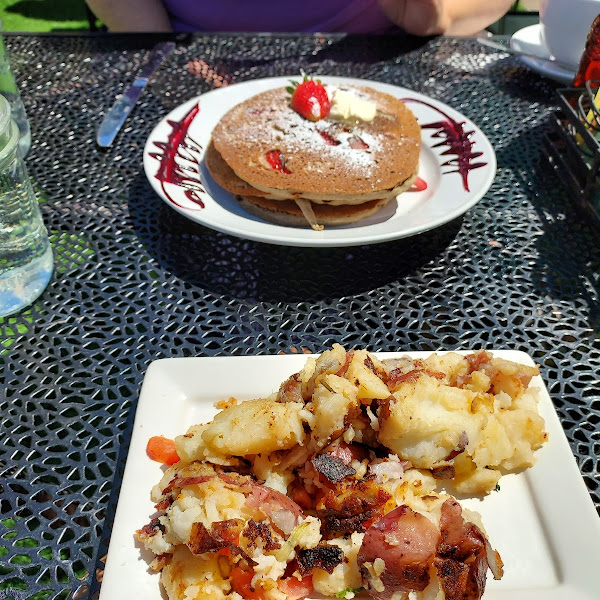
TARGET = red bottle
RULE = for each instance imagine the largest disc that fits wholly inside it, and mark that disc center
(589, 66)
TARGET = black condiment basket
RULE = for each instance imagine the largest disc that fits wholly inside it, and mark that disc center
(573, 145)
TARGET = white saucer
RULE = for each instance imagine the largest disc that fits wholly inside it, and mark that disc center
(529, 39)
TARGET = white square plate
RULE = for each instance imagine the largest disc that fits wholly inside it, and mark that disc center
(542, 521)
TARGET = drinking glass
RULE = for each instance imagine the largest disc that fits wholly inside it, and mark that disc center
(8, 88)
(26, 259)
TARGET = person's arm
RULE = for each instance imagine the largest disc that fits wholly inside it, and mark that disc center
(448, 17)
(131, 15)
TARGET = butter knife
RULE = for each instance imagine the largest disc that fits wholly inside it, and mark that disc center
(119, 111)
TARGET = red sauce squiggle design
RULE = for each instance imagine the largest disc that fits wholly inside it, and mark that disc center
(453, 135)
(185, 173)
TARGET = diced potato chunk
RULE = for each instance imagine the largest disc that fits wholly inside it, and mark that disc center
(255, 427)
(190, 577)
(427, 421)
(334, 405)
(369, 385)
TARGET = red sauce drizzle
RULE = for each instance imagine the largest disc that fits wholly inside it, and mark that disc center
(179, 145)
(452, 134)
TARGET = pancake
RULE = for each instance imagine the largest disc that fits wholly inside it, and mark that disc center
(327, 160)
(224, 175)
(289, 213)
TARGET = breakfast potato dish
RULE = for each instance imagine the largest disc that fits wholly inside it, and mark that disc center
(333, 485)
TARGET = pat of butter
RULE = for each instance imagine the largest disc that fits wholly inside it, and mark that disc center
(347, 106)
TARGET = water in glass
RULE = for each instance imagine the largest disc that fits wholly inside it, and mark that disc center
(8, 88)
(26, 260)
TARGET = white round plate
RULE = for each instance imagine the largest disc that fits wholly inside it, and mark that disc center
(174, 165)
(529, 39)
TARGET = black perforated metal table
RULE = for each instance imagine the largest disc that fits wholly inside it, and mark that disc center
(135, 281)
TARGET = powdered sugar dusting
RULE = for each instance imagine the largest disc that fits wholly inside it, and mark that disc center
(297, 133)
(328, 157)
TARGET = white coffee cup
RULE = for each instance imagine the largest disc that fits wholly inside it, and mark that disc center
(565, 25)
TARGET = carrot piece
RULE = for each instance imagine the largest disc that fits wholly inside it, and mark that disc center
(162, 449)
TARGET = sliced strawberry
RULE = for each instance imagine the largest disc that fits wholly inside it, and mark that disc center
(328, 137)
(357, 143)
(310, 99)
(276, 161)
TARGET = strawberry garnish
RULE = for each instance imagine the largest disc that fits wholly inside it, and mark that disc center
(310, 99)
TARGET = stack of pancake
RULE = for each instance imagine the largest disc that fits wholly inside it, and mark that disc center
(292, 171)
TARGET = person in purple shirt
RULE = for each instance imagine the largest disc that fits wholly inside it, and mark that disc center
(418, 17)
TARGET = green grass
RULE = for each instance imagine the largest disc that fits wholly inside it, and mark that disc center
(44, 15)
